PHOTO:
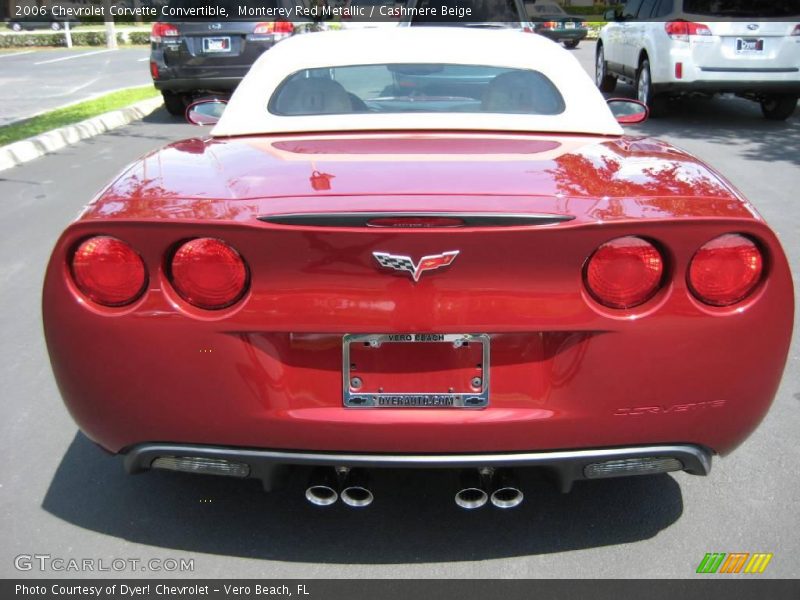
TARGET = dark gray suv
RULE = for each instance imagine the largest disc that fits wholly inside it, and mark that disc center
(192, 58)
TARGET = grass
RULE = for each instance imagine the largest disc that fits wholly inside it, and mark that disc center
(74, 113)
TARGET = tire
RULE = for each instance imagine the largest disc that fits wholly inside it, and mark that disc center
(16, 27)
(175, 104)
(778, 107)
(571, 44)
(55, 26)
(644, 89)
(604, 81)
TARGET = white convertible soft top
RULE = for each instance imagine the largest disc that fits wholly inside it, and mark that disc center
(586, 111)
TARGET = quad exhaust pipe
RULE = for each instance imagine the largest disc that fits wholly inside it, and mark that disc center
(473, 493)
(506, 492)
(327, 485)
(323, 487)
(478, 487)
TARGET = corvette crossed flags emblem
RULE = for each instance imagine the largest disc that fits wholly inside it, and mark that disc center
(405, 263)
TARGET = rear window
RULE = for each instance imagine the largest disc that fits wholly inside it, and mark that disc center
(405, 88)
(746, 9)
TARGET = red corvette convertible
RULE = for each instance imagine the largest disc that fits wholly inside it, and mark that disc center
(440, 253)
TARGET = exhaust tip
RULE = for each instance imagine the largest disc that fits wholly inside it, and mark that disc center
(507, 497)
(321, 495)
(357, 496)
(471, 498)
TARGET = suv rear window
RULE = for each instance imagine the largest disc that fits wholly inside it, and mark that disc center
(404, 88)
(746, 9)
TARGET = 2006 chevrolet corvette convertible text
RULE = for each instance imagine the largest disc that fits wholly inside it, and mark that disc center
(440, 253)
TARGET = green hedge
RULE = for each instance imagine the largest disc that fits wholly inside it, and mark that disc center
(79, 38)
(139, 37)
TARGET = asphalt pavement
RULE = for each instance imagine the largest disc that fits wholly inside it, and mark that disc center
(61, 496)
(34, 81)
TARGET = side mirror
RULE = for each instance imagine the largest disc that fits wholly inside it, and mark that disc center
(205, 112)
(628, 112)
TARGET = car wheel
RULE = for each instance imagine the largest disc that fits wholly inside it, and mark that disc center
(175, 104)
(604, 81)
(644, 89)
(571, 44)
(16, 27)
(55, 26)
(778, 107)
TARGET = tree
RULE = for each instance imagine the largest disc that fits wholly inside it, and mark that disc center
(111, 32)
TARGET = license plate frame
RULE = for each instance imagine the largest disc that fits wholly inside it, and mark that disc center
(749, 45)
(476, 399)
(208, 45)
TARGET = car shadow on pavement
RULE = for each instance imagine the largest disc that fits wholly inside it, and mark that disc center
(734, 122)
(413, 518)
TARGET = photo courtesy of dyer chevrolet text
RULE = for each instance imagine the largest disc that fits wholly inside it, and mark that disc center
(161, 589)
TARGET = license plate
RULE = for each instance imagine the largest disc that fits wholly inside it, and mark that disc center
(749, 46)
(217, 44)
(415, 370)
(569, 25)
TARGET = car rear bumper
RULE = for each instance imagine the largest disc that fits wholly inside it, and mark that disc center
(568, 466)
(735, 87)
(564, 35)
(197, 83)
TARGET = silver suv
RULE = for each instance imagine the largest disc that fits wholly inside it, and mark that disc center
(668, 47)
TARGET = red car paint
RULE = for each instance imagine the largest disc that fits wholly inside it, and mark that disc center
(566, 372)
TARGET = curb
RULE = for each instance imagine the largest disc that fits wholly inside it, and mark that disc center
(45, 143)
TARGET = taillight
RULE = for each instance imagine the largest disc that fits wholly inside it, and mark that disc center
(154, 70)
(208, 273)
(550, 25)
(108, 271)
(624, 272)
(725, 270)
(271, 27)
(162, 30)
(681, 30)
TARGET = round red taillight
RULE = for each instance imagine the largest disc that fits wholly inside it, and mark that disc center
(208, 273)
(725, 270)
(109, 271)
(624, 272)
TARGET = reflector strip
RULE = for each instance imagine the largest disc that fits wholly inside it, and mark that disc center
(205, 466)
(368, 219)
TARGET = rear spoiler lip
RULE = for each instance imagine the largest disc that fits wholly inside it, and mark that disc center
(362, 219)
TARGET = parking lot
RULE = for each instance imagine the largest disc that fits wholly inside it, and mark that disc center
(60, 495)
(33, 81)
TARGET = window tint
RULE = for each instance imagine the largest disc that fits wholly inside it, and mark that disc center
(404, 88)
(646, 10)
(631, 9)
(748, 9)
(663, 9)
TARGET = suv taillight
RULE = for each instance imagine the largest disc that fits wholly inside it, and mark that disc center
(272, 27)
(681, 30)
(725, 270)
(162, 30)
